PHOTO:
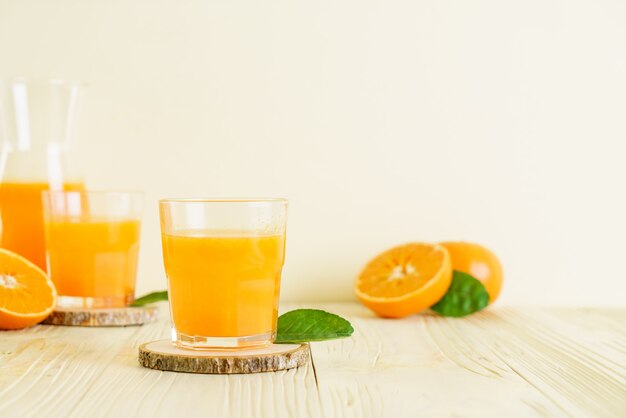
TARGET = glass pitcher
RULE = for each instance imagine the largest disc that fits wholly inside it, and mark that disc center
(37, 121)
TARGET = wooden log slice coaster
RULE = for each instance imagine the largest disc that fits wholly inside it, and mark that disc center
(163, 355)
(109, 317)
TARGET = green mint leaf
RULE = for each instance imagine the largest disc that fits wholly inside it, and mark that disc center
(150, 298)
(466, 295)
(304, 325)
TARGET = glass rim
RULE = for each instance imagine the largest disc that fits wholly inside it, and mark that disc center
(225, 200)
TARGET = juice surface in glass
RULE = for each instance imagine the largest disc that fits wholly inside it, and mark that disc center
(93, 259)
(223, 283)
(21, 213)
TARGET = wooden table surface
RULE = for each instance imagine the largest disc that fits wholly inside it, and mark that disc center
(502, 362)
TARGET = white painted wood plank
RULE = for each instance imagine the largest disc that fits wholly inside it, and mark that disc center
(501, 362)
(79, 372)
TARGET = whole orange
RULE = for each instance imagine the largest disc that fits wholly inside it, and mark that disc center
(478, 262)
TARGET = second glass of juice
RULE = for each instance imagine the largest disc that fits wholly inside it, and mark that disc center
(92, 246)
(223, 260)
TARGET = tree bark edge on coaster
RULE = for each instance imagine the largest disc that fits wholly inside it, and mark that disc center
(162, 355)
(112, 317)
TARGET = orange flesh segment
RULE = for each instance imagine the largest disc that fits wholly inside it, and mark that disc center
(401, 271)
(24, 288)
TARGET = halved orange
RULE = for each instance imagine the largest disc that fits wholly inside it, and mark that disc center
(27, 295)
(405, 279)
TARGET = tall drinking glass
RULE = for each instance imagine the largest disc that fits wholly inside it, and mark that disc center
(92, 246)
(223, 260)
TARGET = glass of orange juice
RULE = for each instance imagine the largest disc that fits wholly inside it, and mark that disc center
(223, 260)
(92, 246)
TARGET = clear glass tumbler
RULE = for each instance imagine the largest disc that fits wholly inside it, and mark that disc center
(92, 246)
(223, 260)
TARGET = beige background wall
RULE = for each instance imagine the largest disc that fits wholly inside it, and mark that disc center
(501, 122)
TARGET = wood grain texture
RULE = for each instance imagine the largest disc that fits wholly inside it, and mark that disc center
(500, 362)
(161, 355)
(114, 317)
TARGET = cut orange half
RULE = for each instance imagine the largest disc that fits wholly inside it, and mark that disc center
(405, 279)
(27, 295)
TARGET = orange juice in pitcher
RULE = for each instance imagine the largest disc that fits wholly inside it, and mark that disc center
(22, 218)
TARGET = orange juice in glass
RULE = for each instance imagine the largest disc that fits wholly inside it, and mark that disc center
(223, 260)
(92, 246)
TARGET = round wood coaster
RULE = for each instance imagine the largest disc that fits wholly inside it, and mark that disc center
(164, 355)
(109, 317)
